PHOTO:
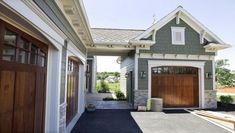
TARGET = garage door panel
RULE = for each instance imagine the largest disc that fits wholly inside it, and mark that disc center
(39, 102)
(179, 89)
(6, 100)
(24, 102)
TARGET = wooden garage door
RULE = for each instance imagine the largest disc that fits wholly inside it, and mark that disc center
(22, 81)
(178, 86)
(72, 90)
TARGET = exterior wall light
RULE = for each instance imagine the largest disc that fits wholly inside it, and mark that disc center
(88, 74)
(209, 75)
(127, 75)
(143, 74)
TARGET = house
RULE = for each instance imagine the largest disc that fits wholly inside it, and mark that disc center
(43, 62)
(173, 59)
(111, 79)
(48, 63)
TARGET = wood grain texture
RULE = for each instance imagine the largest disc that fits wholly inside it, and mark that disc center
(7, 79)
(72, 91)
(177, 90)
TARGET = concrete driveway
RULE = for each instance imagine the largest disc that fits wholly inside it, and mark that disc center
(176, 121)
(127, 121)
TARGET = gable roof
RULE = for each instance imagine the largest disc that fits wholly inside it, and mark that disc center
(189, 19)
(132, 37)
(114, 36)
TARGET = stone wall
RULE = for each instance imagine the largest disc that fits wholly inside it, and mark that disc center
(62, 123)
(141, 97)
(210, 99)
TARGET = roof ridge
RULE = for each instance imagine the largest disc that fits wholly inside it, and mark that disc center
(119, 29)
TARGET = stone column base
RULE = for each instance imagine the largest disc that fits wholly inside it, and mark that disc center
(62, 121)
(140, 98)
(210, 99)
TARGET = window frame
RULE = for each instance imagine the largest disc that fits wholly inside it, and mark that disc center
(173, 37)
(24, 36)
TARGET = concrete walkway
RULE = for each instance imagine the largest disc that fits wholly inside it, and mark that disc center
(97, 100)
(127, 121)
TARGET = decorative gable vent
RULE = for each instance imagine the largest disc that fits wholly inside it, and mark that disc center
(178, 35)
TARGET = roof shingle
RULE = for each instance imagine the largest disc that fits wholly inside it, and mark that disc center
(115, 36)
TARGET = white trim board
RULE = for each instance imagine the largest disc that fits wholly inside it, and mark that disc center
(176, 56)
(198, 64)
(53, 90)
(38, 22)
(73, 50)
(189, 19)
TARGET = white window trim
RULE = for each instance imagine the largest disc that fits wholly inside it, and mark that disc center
(182, 31)
(198, 64)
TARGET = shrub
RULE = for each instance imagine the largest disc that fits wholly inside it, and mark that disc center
(109, 99)
(226, 99)
(103, 87)
(120, 95)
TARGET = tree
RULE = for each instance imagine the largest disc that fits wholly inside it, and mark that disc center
(116, 74)
(224, 76)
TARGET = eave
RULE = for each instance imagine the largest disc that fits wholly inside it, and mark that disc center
(75, 13)
(214, 47)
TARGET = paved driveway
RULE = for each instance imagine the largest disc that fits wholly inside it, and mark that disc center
(126, 121)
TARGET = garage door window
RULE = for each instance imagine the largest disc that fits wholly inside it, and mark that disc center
(20, 49)
(174, 70)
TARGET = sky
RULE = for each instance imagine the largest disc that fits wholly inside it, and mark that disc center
(217, 15)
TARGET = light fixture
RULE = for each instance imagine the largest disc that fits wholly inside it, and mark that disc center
(87, 74)
(127, 75)
(142, 74)
(209, 75)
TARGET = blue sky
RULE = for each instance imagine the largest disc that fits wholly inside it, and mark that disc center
(217, 15)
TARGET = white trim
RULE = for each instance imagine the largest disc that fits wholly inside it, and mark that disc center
(213, 47)
(202, 35)
(176, 56)
(188, 18)
(178, 17)
(94, 70)
(76, 52)
(43, 16)
(197, 64)
(136, 68)
(83, 24)
(31, 17)
(181, 30)
(53, 90)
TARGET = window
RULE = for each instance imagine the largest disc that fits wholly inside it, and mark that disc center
(178, 35)
(20, 49)
(174, 70)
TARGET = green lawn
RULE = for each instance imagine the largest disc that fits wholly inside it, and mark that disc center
(112, 86)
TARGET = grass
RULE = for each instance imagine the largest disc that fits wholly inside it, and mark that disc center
(112, 86)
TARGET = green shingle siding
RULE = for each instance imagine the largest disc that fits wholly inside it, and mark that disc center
(164, 42)
(208, 82)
